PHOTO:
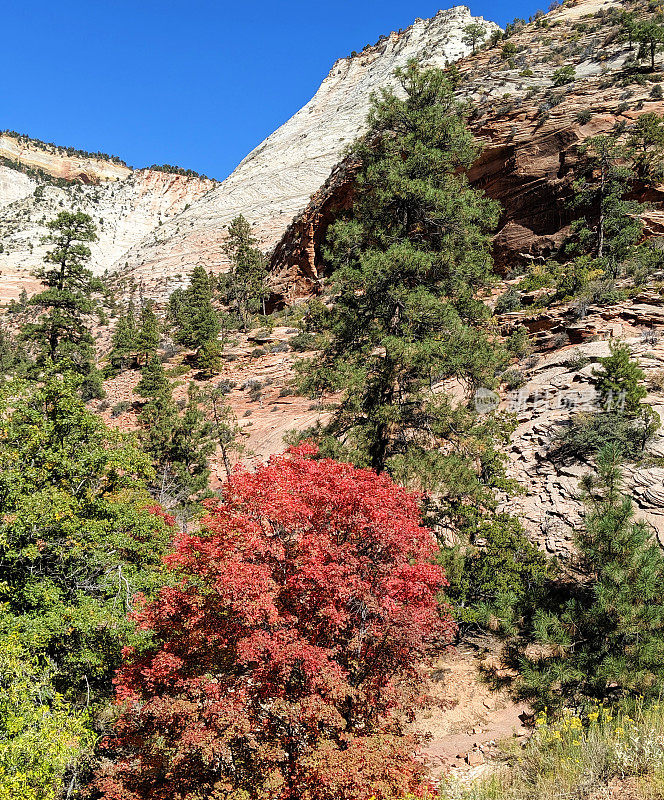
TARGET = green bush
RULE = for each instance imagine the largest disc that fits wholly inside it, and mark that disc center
(509, 49)
(121, 408)
(498, 577)
(518, 342)
(41, 736)
(513, 378)
(509, 301)
(303, 342)
(564, 75)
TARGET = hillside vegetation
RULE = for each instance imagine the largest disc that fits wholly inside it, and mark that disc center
(203, 604)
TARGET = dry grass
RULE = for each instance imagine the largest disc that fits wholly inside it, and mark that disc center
(596, 755)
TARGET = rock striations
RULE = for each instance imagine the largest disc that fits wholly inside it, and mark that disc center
(157, 227)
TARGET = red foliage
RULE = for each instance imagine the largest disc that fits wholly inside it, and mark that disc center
(287, 660)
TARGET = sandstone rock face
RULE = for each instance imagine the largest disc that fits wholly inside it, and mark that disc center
(276, 180)
(56, 161)
(531, 130)
(557, 385)
(125, 212)
(14, 185)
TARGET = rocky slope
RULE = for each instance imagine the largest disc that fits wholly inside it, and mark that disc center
(531, 129)
(125, 211)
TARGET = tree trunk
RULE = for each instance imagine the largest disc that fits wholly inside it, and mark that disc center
(378, 449)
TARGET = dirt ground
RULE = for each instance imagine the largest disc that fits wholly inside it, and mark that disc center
(469, 717)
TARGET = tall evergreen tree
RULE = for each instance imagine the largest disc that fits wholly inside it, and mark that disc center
(646, 141)
(193, 314)
(245, 286)
(153, 378)
(407, 265)
(610, 227)
(608, 638)
(147, 336)
(62, 335)
(649, 34)
(123, 341)
(474, 34)
(179, 444)
(224, 429)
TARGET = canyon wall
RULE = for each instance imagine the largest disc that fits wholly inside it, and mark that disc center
(153, 233)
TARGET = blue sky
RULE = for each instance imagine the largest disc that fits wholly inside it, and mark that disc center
(195, 83)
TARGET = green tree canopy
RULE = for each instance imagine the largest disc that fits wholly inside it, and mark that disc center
(191, 310)
(407, 264)
(77, 536)
(245, 286)
(62, 336)
(610, 227)
(123, 341)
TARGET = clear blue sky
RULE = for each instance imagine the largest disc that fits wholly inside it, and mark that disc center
(196, 83)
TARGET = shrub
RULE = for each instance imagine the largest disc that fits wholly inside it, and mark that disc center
(584, 116)
(508, 50)
(577, 360)
(225, 386)
(303, 341)
(121, 408)
(518, 342)
(564, 75)
(582, 753)
(513, 378)
(40, 735)
(308, 603)
(509, 301)
(499, 573)
(255, 390)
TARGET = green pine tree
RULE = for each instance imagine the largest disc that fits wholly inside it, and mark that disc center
(148, 334)
(62, 336)
(646, 142)
(178, 444)
(619, 381)
(224, 429)
(123, 341)
(153, 378)
(209, 357)
(245, 286)
(611, 226)
(607, 639)
(649, 34)
(408, 263)
(195, 319)
(620, 418)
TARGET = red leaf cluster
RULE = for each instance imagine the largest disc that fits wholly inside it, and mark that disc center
(286, 661)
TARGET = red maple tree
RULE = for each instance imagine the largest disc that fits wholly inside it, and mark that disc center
(286, 661)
